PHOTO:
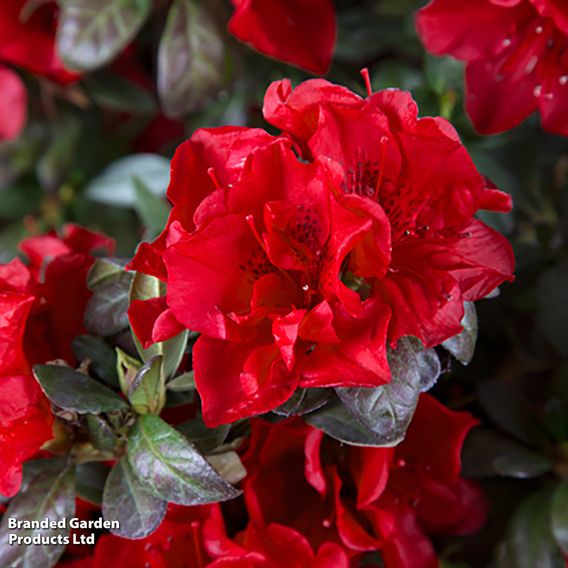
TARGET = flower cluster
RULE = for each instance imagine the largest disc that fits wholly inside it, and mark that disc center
(516, 54)
(28, 42)
(301, 257)
(354, 501)
(42, 306)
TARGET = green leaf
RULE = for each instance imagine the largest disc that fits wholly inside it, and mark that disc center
(92, 32)
(386, 411)
(337, 422)
(205, 439)
(182, 383)
(90, 480)
(116, 186)
(152, 209)
(487, 453)
(190, 58)
(171, 467)
(559, 517)
(127, 368)
(72, 390)
(101, 355)
(126, 500)
(100, 433)
(147, 391)
(106, 310)
(304, 401)
(51, 494)
(462, 346)
(529, 542)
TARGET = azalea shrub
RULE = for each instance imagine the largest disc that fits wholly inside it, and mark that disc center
(283, 284)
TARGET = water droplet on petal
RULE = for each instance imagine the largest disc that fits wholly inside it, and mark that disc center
(305, 287)
(563, 80)
(326, 523)
(549, 96)
(507, 42)
(531, 64)
(539, 29)
(537, 91)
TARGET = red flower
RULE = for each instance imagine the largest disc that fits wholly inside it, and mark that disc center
(27, 39)
(41, 311)
(368, 499)
(300, 32)
(13, 104)
(297, 273)
(516, 54)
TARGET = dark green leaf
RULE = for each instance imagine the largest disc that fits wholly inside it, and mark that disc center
(138, 512)
(171, 467)
(152, 209)
(106, 311)
(50, 495)
(91, 478)
(190, 58)
(147, 391)
(552, 314)
(462, 346)
(115, 185)
(92, 32)
(118, 94)
(101, 355)
(100, 433)
(205, 439)
(487, 453)
(337, 422)
(559, 517)
(75, 391)
(304, 401)
(386, 411)
(529, 542)
(229, 466)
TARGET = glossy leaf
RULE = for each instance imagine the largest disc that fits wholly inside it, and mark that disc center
(190, 58)
(462, 346)
(171, 468)
(92, 32)
(51, 494)
(90, 481)
(116, 186)
(127, 501)
(75, 391)
(205, 439)
(182, 383)
(304, 401)
(100, 433)
(386, 411)
(101, 355)
(152, 209)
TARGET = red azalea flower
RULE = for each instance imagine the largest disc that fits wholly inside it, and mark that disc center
(516, 54)
(13, 104)
(300, 32)
(297, 273)
(368, 499)
(27, 39)
(41, 309)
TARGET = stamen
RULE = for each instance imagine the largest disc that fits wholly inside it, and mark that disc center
(365, 74)
(213, 175)
(250, 222)
(384, 140)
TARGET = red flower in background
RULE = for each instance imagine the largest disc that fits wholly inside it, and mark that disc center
(516, 54)
(298, 273)
(13, 104)
(27, 39)
(41, 311)
(366, 499)
(300, 32)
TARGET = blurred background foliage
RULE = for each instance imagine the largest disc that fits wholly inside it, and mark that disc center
(97, 153)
